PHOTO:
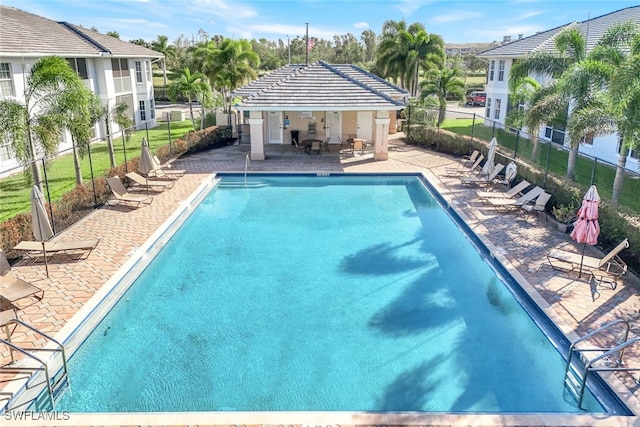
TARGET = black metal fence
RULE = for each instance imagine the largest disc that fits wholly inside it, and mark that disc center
(548, 155)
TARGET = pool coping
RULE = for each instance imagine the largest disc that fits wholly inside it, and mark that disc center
(116, 286)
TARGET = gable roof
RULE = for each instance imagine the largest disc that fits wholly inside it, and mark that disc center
(593, 29)
(320, 86)
(23, 33)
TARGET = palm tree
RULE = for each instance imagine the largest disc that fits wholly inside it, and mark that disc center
(614, 67)
(404, 51)
(191, 85)
(117, 114)
(161, 44)
(443, 84)
(525, 96)
(35, 124)
(229, 65)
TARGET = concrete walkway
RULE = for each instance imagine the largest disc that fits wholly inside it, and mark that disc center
(581, 305)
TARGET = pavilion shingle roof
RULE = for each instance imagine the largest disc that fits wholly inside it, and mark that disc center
(320, 86)
(23, 33)
(593, 29)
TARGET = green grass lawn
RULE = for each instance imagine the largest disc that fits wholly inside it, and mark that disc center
(15, 190)
(557, 163)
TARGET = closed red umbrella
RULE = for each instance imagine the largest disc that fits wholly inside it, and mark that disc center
(586, 228)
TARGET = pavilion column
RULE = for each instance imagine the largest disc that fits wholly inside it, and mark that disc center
(381, 138)
(256, 123)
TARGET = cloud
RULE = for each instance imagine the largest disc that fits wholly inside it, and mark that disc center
(361, 25)
(225, 9)
(527, 16)
(496, 33)
(408, 7)
(455, 17)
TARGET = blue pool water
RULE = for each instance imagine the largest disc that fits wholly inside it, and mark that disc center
(319, 293)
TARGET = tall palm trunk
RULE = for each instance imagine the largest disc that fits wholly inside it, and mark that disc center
(619, 178)
(571, 163)
(193, 121)
(110, 150)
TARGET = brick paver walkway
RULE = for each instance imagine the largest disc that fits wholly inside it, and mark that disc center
(580, 304)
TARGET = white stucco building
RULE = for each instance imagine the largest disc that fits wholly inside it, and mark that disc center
(117, 71)
(500, 60)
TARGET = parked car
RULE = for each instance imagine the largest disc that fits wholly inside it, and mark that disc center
(477, 98)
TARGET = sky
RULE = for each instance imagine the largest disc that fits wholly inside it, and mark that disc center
(477, 21)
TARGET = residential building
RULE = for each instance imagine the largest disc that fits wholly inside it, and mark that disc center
(115, 70)
(502, 58)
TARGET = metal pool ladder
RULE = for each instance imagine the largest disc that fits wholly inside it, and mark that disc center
(247, 165)
(576, 373)
(54, 384)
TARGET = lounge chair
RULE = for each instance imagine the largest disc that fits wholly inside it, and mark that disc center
(482, 180)
(151, 184)
(76, 249)
(509, 194)
(165, 170)
(13, 289)
(506, 205)
(611, 263)
(122, 196)
(470, 159)
(325, 144)
(458, 172)
(540, 205)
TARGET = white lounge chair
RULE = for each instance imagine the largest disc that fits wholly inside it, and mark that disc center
(482, 180)
(122, 196)
(460, 171)
(539, 206)
(506, 205)
(151, 184)
(509, 194)
(13, 289)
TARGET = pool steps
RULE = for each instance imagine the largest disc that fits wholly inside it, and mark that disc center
(577, 373)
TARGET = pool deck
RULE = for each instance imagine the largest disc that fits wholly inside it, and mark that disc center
(578, 304)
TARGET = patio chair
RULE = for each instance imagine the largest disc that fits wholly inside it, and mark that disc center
(458, 172)
(357, 145)
(468, 160)
(507, 205)
(315, 146)
(165, 171)
(297, 147)
(13, 289)
(325, 144)
(482, 180)
(611, 263)
(540, 205)
(75, 249)
(151, 184)
(123, 197)
(509, 194)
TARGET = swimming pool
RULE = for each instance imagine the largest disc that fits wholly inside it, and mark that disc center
(377, 303)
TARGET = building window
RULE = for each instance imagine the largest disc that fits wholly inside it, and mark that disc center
(143, 112)
(6, 150)
(148, 68)
(587, 140)
(488, 112)
(152, 109)
(6, 82)
(121, 75)
(79, 65)
(496, 113)
(501, 70)
(138, 72)
(492, 70)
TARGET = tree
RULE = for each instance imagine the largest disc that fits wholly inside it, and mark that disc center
(525, 93)
(117, 114)
(571, 51)
(113, 34)
(191, 85)
(34, 125)
(161, 44)
(405, 51)
(443, 84)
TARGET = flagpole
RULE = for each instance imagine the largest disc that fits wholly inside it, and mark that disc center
(306, 44)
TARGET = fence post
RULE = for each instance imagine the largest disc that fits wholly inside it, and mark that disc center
(46, 183)
(124, 150)
(473, 128)
(93, 180)
(593, 171)
(409, 123)
(515, 149)
(546, 164)
(169, 130)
